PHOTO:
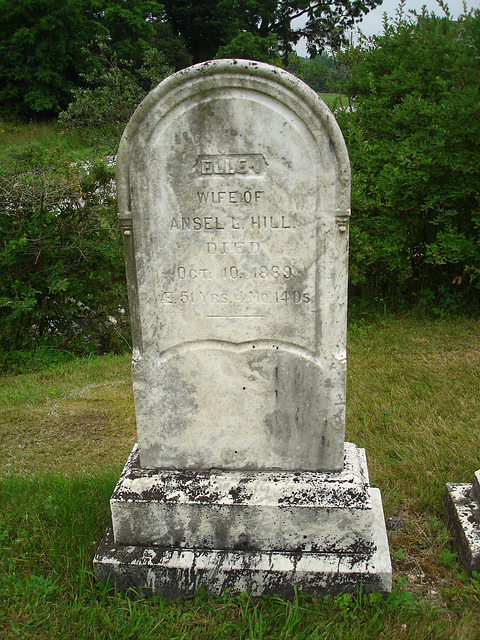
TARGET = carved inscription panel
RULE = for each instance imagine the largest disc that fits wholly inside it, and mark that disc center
(233, 206)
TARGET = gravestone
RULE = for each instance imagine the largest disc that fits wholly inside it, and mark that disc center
(233, 185)
(462, 505)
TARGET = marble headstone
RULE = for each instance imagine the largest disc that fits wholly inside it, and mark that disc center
(233, 185)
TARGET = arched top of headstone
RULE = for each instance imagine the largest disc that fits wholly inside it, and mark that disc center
(197, 81)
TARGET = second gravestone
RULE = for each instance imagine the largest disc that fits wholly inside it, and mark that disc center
(233, 184)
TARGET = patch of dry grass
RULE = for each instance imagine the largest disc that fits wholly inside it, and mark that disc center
(69, 420)
(21, 133)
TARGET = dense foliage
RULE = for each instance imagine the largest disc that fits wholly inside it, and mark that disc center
(61, 258)
(320, 72)
(114, 90)
(242, 25)
(44, 47)
(414, 144)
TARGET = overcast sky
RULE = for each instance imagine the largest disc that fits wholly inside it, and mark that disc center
(372, 23)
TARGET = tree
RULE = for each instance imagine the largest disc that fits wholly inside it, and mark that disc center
(38, 41)
(252, 47)
(205, 25)
(42, 44)
(209, 25)
(414, 144)
(319, 73)
(136, 26)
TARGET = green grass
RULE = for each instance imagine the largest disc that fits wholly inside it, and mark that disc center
(334, 100)
(413, 389)
(74, 145)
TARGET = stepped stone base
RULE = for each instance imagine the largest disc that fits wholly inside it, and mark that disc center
(462, 505)
(175, 533)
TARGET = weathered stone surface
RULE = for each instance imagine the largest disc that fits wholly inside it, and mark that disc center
(462, 506)
(176, 572)
(273, 511)
(233, 186)
(476, 487)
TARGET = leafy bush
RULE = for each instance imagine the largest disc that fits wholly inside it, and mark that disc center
(414, 144)
(114, 89)
(60, 256)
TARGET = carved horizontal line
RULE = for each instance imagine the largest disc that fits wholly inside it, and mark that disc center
(235, 316)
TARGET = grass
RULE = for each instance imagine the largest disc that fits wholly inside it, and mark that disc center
(73, 145)
(69, 419)
(334, 100)
(66, 431)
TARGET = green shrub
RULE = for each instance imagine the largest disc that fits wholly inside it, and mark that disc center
(114, 89)
(414, 144)
(60, 254)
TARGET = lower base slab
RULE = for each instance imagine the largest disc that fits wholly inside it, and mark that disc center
(463, 515)
(177, 573)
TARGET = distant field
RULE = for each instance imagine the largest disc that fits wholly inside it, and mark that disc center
(334, 100)
(412, 402)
